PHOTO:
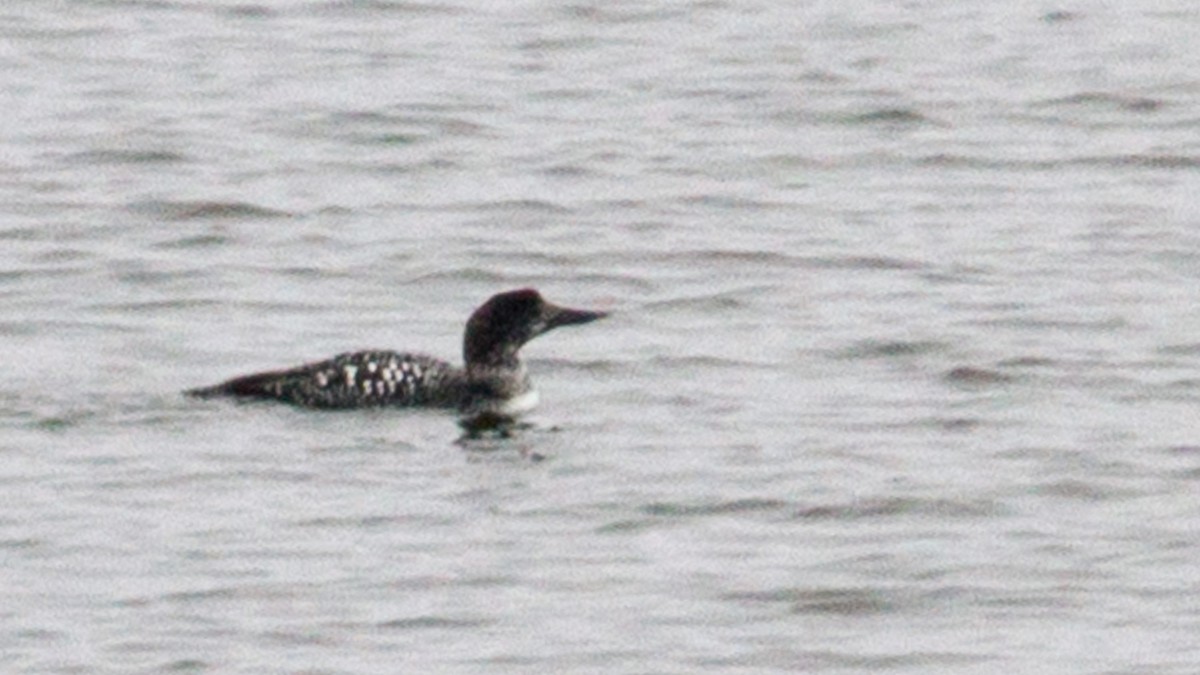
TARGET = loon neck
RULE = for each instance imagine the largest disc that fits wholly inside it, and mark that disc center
(502, 370)
(499, 358)
(502, 388)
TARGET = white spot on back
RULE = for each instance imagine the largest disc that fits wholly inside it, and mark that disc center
(350, 371)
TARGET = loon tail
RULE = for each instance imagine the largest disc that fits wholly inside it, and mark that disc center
(259, 384)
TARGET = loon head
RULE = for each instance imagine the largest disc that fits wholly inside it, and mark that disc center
(503, 324)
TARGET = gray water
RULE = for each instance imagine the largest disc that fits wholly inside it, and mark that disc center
(901, 377)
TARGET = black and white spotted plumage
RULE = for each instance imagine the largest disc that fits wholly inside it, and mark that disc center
(493, 380)
(355, 380)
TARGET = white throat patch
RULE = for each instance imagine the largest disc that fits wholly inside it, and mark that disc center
(520, 404)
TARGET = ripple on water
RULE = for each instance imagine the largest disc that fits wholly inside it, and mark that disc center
(516, 206)
(889, 116)
(352, 522)
(711, 508)
(124, 156)
(428, 622)
(692, 364)
(1139, 161)
(741, 298)
(1105, 101)
(22, 544)
(656, 514)
(836, 601)
(1060, 16)
(459, 274)
(808, 661)
(372, 7)
(1027, 362)
(863, 262)
(883, 349)
(1160, 161)
(887, 507)
(204, 210)
(197, 241)
(188, 666)
(950, 424)
(973, 376)
(1082, 490)
(389, 127)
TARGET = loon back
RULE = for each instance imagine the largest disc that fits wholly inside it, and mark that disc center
(493, 381)
(353, 380)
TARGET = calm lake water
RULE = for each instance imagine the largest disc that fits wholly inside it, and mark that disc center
(902, 373)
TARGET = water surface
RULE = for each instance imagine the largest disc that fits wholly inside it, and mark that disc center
(901, 373)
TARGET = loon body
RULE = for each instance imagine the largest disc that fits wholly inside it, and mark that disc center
(493, 380)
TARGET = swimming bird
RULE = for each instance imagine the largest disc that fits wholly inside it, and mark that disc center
(492, 382)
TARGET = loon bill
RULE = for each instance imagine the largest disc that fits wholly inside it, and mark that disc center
(493, 381)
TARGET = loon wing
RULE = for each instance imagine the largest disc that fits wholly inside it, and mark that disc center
(352, 380)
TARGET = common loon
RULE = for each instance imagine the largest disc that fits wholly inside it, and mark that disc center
(493, 382)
